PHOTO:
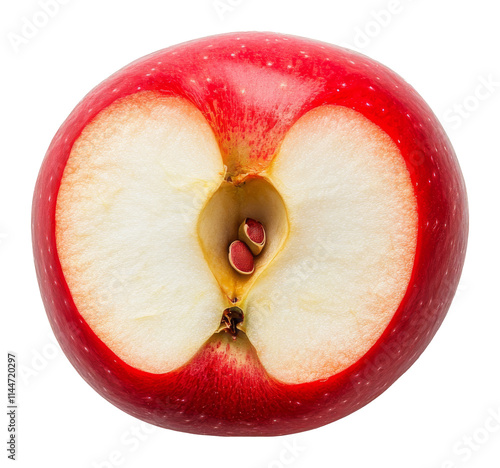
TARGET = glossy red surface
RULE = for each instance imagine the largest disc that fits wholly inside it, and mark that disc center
(252, 87)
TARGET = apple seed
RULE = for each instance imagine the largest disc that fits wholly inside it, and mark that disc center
(241, 258)
(252, 233)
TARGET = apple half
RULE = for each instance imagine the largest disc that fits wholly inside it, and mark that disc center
(248, 234)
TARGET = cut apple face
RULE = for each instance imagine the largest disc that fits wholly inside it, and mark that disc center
(146, 214)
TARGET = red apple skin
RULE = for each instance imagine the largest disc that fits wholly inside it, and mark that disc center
(213, 394)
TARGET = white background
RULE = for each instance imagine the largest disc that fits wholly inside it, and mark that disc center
(439, 413)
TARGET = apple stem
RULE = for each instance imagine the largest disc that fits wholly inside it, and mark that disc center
(231, 318)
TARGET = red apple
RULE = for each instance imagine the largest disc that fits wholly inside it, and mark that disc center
(337, 182)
